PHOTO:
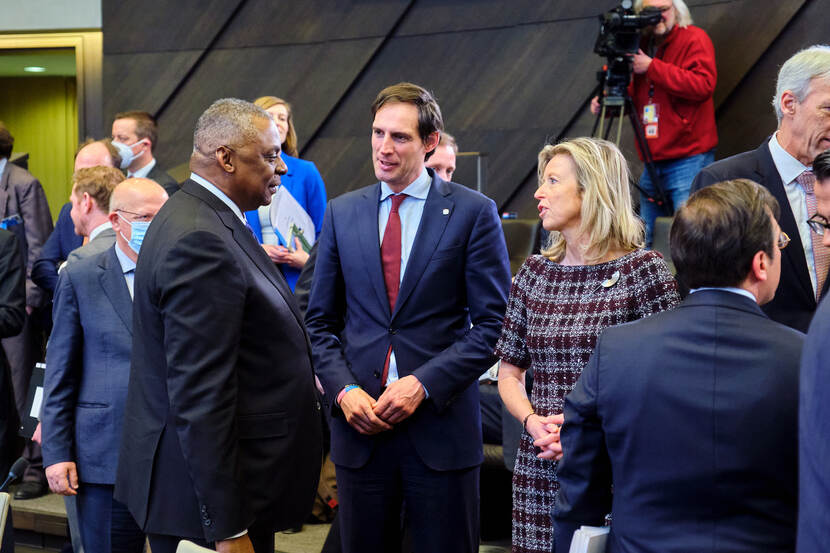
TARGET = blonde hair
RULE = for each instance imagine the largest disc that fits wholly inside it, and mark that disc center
(607, 217)
(289, 143)
(684, 17)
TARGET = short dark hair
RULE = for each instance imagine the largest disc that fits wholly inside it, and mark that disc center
(821, 166)
(429, 114)
(720, 229)
(145, 125)
(6, 141)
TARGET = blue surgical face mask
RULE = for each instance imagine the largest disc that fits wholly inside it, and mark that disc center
(137, 231)
(126, 152)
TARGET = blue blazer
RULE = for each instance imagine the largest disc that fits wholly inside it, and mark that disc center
(304, 182)
(814, 437)
(458, 273)
(88, 367)
(691, 415)
(56, 249)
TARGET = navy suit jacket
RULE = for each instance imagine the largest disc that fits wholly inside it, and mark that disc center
(222, 430)
(814, 437)
(88, 367)
(794, 301)
(458, 273)
(691, 415)
(56, 250)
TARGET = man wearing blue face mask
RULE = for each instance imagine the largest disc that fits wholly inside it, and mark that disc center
(135, 134)
(88, 365)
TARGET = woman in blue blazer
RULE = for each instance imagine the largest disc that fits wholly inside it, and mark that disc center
(305, 184)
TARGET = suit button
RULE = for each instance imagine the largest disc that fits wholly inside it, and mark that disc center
(376, 374)
(208, 522)
(393, 331)
(204, 509)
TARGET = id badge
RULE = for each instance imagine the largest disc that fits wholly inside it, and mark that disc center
(650, 120)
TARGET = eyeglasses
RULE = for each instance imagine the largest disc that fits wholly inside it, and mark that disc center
(143, 218)
(818, 224)
(783, 240)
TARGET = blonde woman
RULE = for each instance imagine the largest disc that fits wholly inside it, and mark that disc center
(302, 181)
(593, 273)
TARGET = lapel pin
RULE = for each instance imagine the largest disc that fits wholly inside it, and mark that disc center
(446, 211)
(611, 281)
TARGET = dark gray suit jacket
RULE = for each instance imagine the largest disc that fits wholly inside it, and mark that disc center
(166, 181)
(12, 315)
(88, 367)
(794, 301)
(691, 415)
(22, 194)
(222, 431)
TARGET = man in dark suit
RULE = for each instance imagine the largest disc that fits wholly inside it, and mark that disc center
(814, 414)
(88, 369)
(63, 239)
(135, 134)
(690, 416)
(25, 212)
(406, 305)
(12, 316)
(221, 439)
(782, 165)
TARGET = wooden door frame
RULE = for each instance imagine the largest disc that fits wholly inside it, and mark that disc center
(88, 46)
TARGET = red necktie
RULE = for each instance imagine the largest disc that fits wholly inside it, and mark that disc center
(390, 255)
(821, 254)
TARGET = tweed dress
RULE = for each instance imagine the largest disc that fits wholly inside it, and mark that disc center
(554, 317)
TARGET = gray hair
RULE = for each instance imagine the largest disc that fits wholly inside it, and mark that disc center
(684, 17)
(798, 72)
(227, 122)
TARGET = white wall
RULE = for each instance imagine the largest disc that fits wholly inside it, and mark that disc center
(49, 15)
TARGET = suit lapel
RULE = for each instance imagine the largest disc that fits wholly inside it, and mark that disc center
(768, 176)
(112, 281)
(437, 212)
(366, 216)
(246, 241)
(4, 190)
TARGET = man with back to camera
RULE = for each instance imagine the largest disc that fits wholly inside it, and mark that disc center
(407, 300)
(690, 416)
(135, 134)
(672, 88)
(782, 165)
(87, 371)
(813, 432)
(222, 442)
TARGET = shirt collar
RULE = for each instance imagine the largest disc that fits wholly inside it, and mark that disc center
(127, 264)
(213, 189)
(143, 172)
(732, 289)
(2, 165)
(98, 230)
(788, 167)
(419, 188)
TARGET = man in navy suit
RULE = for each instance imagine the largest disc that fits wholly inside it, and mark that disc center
(407, 301)
(814, 414)
(87, 371)
(690, 416)
(781, 164)
(64, 239)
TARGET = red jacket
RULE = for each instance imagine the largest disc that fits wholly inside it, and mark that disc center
(683, 73)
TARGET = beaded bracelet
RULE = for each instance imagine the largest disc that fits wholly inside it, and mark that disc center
(524, 422)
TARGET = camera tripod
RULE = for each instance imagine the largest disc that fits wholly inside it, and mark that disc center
(615, 103)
